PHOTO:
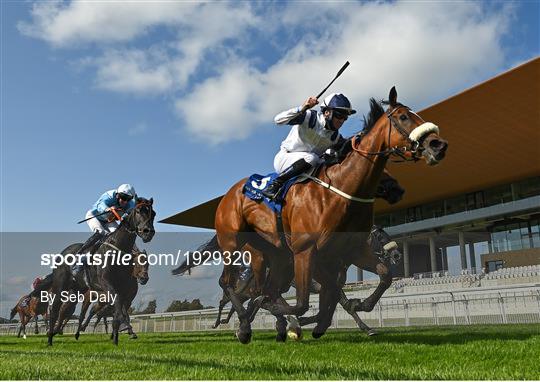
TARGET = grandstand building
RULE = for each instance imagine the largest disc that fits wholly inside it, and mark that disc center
(479, 210)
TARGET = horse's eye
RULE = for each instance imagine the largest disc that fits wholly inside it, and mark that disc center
(403, 117)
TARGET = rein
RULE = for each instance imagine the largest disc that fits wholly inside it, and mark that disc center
(407, 154)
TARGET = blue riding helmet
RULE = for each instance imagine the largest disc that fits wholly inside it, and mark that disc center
(338, 102)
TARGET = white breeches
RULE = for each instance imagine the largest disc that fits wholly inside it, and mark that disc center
(285, 159)
(97, 225)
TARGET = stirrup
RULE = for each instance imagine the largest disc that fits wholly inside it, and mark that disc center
(270, 193)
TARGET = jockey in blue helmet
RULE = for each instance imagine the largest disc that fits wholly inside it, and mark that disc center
(311, 135)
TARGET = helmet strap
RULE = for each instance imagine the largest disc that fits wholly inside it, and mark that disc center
(329, 121)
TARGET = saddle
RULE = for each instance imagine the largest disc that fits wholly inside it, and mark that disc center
(256, 183)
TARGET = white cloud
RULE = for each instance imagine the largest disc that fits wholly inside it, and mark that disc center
(429, 50)
(138, 129)
(63, 24)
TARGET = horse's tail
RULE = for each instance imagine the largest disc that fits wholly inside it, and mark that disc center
(203, 252)
(13, 312)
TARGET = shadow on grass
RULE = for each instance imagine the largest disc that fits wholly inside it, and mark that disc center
(261, 369)
(431, 336)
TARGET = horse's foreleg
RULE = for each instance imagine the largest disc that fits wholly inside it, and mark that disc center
(345, 303)
(328, 299)
(53, 317)
(84, 309)
(373, 264)
(302, 279)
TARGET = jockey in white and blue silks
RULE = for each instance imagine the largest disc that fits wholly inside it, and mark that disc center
(311, 135)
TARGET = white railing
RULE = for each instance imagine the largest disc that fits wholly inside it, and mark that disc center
(513, 304)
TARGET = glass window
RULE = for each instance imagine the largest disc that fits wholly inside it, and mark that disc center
(492, 266)
(535, 233)
(527, 188)
(498, 195)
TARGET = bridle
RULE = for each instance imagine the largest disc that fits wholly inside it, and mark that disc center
(130, 216)
(413, 151)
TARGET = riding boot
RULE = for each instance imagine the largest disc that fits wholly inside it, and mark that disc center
(295, 169)
(78, 269)
(91, 241)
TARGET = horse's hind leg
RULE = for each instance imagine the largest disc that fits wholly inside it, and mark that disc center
(224, 300)
(36, 329)
(89, 318)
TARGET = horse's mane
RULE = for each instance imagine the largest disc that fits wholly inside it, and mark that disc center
(375, 112)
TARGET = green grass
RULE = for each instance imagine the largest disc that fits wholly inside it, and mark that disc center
(474, 352)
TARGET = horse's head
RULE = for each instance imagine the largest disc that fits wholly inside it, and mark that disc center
(142, 219)
(410, 136)
(140, 267)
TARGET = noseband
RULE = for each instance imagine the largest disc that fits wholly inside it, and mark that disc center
(413, 151)
(138, 205)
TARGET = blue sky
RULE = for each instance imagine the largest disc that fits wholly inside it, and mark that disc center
(178, 98)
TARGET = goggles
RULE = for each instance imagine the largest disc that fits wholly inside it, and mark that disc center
(125, 197)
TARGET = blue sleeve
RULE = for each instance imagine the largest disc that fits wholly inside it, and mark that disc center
(103, 203)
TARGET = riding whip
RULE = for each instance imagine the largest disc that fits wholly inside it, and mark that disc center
(335, 78)
(95, 216)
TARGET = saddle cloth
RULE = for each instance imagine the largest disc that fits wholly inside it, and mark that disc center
(257, 183)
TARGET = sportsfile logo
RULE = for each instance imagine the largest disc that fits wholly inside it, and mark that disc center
(113, 257)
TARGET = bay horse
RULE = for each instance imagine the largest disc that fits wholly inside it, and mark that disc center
(115, 279)
(325, 223)
(31, 310)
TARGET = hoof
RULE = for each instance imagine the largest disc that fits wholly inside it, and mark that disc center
(61, 332)
(243, 337)
(372, 333)
(133, 337)
(24, 336)
(316, 335)
(77, 335)
(281, 337)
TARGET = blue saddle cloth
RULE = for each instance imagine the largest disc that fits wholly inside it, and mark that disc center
(257, 183)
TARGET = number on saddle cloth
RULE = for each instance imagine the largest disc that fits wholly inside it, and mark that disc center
(257, 183)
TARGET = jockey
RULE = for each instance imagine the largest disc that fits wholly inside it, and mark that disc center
(118, 203)
(311, 135)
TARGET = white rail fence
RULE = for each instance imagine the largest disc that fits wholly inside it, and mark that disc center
(518, 304)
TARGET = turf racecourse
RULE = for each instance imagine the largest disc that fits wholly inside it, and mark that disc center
(474, 352)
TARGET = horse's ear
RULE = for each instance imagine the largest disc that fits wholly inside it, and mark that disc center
(392, 97)
(151, 201)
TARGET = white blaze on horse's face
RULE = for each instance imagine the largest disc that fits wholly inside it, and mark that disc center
(420, 137)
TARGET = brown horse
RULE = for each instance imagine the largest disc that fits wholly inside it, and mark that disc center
(31, 310)
(325, 229)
